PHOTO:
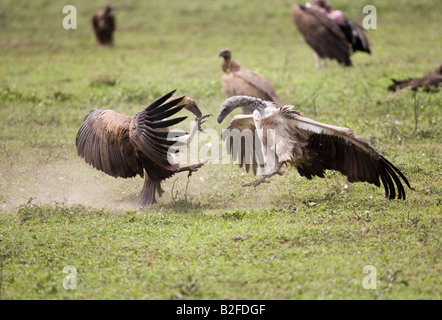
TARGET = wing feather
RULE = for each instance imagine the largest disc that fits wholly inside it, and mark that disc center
(249, 153)
(103, 141)
(338, 148)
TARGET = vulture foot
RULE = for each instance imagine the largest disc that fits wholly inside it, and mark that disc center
(199, 121)
(265, 177)
(192, 168)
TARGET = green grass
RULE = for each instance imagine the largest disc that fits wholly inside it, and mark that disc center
(209, 238)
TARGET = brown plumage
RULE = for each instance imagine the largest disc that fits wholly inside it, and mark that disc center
(310, 146)
(241, 81)
(103, 22)
(429, 82)
(329, 33)
(126, 146)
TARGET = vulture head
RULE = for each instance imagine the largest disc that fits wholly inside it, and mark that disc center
(226, 54)
(241, 101)
(323, 4)
(110, 8)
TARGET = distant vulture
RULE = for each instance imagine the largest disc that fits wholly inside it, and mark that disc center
(241, 81)
(126, 146)
(103, 22)
(329, 33)
(281, 135)
(429, 82)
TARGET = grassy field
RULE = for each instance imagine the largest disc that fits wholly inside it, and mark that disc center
(209, 238)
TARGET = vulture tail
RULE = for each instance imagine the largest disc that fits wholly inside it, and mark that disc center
(147, 196)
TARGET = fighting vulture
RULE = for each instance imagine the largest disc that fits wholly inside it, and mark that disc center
(126, 146)
(241, 81)
(429, 82)
(273, 136)
(329, 33)
(103, 22)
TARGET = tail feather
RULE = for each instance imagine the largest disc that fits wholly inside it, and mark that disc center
(147, 196)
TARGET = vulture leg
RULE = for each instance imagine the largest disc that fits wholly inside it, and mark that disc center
(265, 177)
(147, 196)
(320, 62)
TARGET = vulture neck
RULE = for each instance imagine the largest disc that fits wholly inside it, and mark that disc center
(230, 65)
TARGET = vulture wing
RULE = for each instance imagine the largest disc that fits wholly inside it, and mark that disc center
(103, 141)
(122, 146)
(338, 148)
(249, 83)
(243, 143)
(322, 33)
(356, 36)
(427, 83)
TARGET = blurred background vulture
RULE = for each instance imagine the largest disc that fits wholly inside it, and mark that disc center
(430, 81)
(126, 146)
(103, 22)
(329, 33)
(310, 146)
(241, 81)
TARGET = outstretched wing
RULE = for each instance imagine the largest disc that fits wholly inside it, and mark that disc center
(104, 143)
(338, 148)
(243, 143)
(149, 133)
(122, 146)
(322, 33)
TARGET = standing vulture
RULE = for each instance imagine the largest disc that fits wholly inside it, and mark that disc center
(430, 81)
(241, 81)
(103, 22)
(126, 146)
(284, 136)
(329, 33)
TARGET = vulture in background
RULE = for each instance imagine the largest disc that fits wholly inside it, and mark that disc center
(241, 81)
(126, 146)
(429, 82)
(284, 136)
(329, 33)
(103, 22)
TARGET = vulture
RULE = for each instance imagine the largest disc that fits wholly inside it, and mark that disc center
(241, 81)
(126, 146)
(430, 81)
(277, 135)
(329, 33)
(103, 22)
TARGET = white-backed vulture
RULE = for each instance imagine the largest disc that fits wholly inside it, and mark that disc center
(125, 146)
(431, 80)
(310, 146)
(103, 22)
(241, 81)
(329, 33)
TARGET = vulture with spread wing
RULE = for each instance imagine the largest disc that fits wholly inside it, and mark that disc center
(431, 80)
(329, 33)
(241, 81)
(278, 135)
(126, 146)
(103, 22)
